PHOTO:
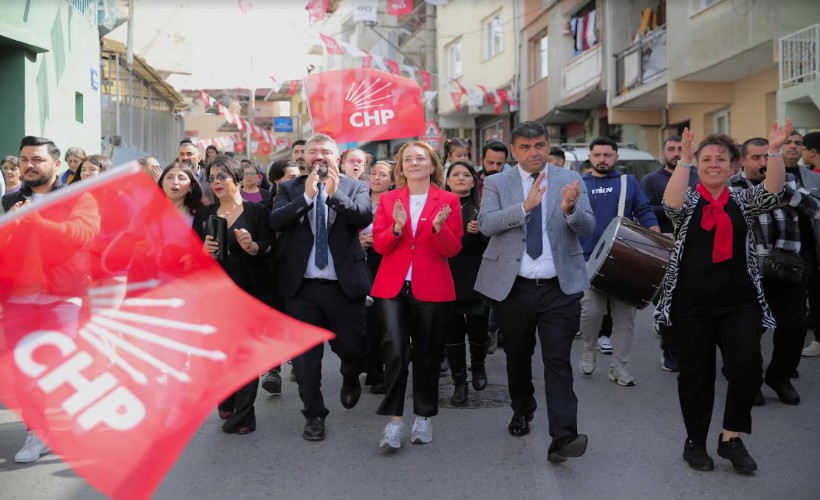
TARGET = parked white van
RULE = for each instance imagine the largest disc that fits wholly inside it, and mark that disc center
(630, 159)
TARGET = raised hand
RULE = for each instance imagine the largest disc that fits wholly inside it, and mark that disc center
(441, 216)
(312, 183)
(569, 197)
(400, 216)
(687, 146)
(536, 192)
(332, 180)
(778, 136)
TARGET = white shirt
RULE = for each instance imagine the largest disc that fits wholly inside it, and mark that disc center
(313, 272)
(544, 265)
(417, 202)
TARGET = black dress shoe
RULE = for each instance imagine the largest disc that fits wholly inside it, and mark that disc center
(697, 457)
(350, 393)
(378, 388)
(314, 429)
(759, 400)
(520, 424)
(735, 451)
(479, 377)
(785, 391)
(566, 447)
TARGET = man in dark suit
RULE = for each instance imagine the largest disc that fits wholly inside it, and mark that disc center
(534, 269)
(322, 273)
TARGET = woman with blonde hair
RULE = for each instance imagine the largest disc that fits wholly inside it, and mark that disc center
(417, 228)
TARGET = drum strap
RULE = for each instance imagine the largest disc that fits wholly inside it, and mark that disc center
(622, 198)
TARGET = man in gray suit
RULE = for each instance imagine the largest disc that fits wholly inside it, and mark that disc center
(535, 271)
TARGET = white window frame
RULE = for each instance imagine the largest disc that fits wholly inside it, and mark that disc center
(455, 59)
(543, 56)
(717, 117)
(699, 6)
(493, 35)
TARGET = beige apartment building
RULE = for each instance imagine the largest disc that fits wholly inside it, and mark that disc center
(477, 45)
(563, 75)
(711, 65)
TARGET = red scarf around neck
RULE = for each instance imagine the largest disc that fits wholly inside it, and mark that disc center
(715, 216)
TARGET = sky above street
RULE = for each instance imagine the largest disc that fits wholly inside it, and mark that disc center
(222, 43)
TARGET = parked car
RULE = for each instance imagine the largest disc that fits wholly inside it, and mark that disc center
(630, 159)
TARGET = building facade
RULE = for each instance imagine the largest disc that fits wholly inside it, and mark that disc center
(477, 45)
(50, 79)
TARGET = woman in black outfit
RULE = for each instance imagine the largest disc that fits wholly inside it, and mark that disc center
(249, 243)
(711, 294)
(469, 313)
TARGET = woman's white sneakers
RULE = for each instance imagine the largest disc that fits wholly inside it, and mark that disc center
(392, 435)
(422, 430)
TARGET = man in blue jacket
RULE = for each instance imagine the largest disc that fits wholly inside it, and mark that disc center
(654, 184)
(603, 184)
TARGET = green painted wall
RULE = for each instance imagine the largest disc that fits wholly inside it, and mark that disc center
(47, 52)
(12, 96)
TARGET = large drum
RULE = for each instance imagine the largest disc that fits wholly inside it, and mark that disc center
(629, 262)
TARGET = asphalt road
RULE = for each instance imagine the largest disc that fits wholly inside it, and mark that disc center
(636, 439)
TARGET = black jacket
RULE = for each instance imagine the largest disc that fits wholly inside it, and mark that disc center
(348, 213)
(464, 266)
(254, 266)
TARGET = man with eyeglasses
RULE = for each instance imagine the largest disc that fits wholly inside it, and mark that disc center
(604, 184)
(322, 272)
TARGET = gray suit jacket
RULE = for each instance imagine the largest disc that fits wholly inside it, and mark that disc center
(502, 219)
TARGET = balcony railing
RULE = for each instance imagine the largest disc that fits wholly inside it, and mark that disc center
(583, 71)
(800, 57)
(88, 8)
(641, 63)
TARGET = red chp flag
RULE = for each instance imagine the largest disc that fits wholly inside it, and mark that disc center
(399, 7)
(332, 46)
(119, 334)
(362, 104)
(317, 10)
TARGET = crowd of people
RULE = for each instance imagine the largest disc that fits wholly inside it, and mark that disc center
(412, 259)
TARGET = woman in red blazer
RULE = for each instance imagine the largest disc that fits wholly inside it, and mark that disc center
(416, 230)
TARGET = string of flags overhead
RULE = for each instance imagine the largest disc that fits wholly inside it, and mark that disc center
(262, 135)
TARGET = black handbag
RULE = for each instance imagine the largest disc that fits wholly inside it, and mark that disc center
(779, 264)
(783, 265)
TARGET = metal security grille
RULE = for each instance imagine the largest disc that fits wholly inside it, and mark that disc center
(800, 56)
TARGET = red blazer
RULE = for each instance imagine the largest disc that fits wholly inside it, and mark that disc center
(432, 280)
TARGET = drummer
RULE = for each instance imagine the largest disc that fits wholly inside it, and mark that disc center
(608, 188)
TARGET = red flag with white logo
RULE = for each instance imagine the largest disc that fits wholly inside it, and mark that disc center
(399, 7)
(393, 66)
(317, 10)
(425, 80)
(361, 105)
(332, 46)
(119, 334)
